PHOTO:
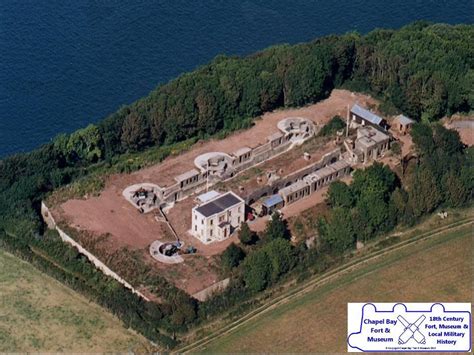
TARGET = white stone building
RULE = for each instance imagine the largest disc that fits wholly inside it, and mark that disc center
(217, 219)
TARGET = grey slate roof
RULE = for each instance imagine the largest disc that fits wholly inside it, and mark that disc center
(218, 205)
(366, 114)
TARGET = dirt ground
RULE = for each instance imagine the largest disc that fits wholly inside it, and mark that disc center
(464, 125)
(406, 142)
(109, 213)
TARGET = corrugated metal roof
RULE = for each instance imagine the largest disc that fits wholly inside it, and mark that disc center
(272, 201)
(218, 205)
(366, 114)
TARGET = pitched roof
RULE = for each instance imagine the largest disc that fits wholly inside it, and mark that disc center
(218, 205)
(404, 120)
(366, 114)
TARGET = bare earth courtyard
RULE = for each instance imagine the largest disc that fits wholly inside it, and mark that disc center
(110, 214)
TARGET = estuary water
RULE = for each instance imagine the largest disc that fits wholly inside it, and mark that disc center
(65, 64)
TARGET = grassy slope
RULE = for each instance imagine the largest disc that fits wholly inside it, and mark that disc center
(317, 321)
(39, 314)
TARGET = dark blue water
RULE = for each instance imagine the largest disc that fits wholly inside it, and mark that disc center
(65, 63)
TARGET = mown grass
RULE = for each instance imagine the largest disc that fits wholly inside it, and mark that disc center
(38, 314)
(439, 269)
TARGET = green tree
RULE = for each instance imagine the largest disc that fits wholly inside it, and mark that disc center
(183, 309)
(232, 256)
(135, 132)
(467, 173)
(246, 236)
(377, 179)
(276, 228)
(257, 270)
(447, 140)
(424, 196)
(456, 192)
(340, 195)
(372, 215)
(338, 231)
(81, 145)
(399, 207)
(422, 136)
(281, 257)
(335, 124)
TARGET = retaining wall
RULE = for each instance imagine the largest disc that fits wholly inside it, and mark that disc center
(48, 218)
(211, 290)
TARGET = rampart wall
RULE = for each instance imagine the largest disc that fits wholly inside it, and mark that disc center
(48, 218)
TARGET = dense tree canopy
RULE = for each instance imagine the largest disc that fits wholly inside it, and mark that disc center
(276, 228)
(340, 195)
(375, 201)
(232, 256)
(246, 236)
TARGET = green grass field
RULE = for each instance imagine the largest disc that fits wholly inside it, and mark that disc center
(439, 269)
(37, 313)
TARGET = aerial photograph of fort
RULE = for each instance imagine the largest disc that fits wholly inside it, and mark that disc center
(310, 197)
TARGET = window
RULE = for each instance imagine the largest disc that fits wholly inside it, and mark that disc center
(212, 221)
(195, 217)
(210, 233)
(240, 209)
(238, 220)
(195, 228)
(202, 221)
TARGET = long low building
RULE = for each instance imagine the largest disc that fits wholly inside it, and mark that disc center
(314, 181)
(216, 219)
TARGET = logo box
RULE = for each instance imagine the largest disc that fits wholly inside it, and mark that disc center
(413, 327)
